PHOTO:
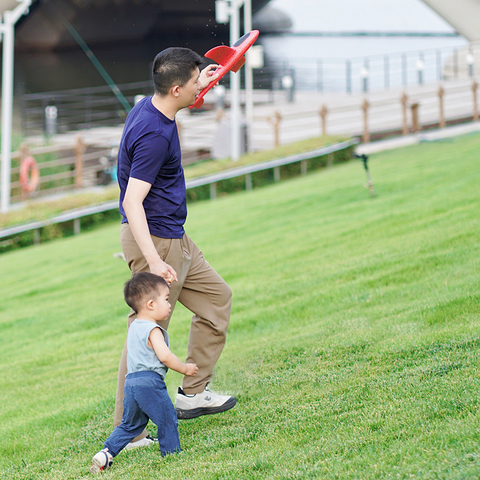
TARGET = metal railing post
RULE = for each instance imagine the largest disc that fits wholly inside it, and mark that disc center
(386, 72)
(455, 63)
(439, 65)
(404, 69)
(348, 66)
(319, 75)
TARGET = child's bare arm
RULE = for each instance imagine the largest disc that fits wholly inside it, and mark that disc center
(168, 358)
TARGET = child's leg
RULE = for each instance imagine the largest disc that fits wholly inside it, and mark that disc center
(134, 420)
(156, 403)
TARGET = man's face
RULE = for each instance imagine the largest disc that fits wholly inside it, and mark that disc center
(190, 91)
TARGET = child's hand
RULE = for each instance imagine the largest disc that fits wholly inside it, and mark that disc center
(191, 369)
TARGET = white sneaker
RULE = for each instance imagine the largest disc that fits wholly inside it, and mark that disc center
(144, 442)
(101, 461)
(205, 403)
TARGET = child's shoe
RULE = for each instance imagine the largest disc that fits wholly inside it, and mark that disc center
(101, 461)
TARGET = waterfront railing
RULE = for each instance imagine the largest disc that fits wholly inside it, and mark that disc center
(60, 111)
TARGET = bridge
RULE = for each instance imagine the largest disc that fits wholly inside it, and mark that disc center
(125, 21)
(102, 22)
(463, 15)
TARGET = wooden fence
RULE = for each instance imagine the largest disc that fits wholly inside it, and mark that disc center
(372, 116)
(61, 168)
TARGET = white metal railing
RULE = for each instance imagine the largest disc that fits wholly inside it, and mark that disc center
(76, 214)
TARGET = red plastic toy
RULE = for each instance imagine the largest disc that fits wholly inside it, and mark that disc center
(229, 58)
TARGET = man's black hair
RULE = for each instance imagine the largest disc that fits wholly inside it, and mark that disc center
(174, 66)
(141, 285)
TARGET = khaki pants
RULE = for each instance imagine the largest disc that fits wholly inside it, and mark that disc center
(201, 290)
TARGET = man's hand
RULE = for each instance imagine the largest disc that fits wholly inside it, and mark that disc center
(164, 270)
(190, 369)
(207, 75)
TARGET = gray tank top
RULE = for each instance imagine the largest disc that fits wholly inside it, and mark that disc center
(140, 357)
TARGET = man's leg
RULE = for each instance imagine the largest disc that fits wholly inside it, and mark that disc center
(207, 295)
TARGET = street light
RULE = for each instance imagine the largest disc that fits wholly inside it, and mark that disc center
(229, 11)
(11, 10)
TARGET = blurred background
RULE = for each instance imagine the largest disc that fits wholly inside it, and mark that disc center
(125, 35)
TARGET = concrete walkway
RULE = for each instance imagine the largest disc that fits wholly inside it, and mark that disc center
(300, 119)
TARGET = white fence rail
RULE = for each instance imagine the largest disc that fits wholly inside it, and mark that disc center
(76, 214)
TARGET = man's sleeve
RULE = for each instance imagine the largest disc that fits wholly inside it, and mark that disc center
(149, 155)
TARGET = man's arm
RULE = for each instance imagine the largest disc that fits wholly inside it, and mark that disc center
(166, 356)
(135, 194)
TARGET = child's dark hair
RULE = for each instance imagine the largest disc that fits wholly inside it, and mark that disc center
(139, 286)
(174, 66)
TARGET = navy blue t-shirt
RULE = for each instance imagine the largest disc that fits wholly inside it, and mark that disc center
(150, 151)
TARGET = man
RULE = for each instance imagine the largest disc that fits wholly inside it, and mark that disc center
(153, 206)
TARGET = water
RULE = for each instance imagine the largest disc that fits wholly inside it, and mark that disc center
(364, 15)
(337, 63)
(334, 64)
(318, 62)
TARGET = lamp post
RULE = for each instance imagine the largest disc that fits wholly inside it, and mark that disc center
(11, 10)
(229, 11)
(234, 86)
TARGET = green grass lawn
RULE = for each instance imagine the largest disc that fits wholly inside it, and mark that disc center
(353, 348)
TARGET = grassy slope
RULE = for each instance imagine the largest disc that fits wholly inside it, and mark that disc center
(353, 347)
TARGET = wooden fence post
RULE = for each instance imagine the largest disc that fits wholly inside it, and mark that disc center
(404, 101)
(441, 93)
(415, 122)
(366, 134)
(323, 115)
(24, 153)
(275, 121)
(80, 148)
(475, 101)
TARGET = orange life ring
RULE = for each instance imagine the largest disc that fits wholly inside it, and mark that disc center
(29, 165)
